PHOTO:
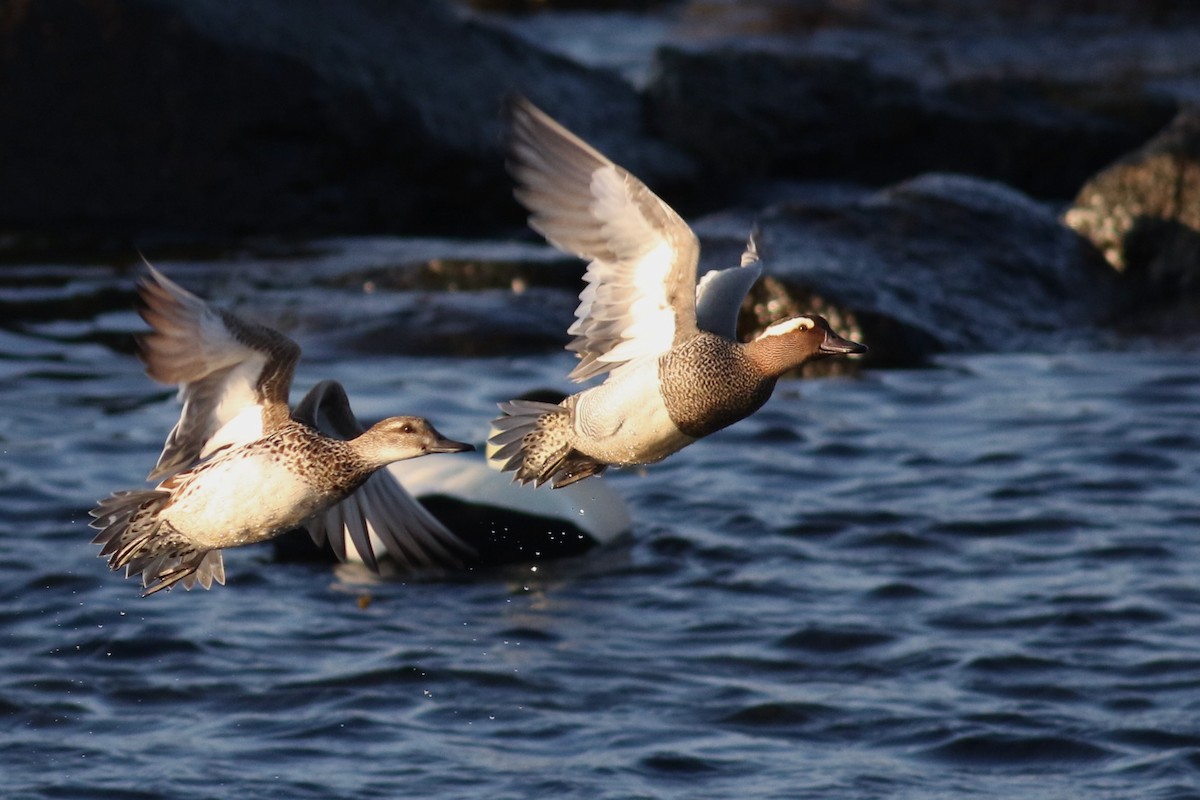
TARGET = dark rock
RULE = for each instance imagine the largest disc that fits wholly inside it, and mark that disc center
(881, 98)
(435, 297)
(792, 17)
(937, 264)
(562, 5)
(282, 116)
(421, 297)
(940, 263)
(473, 324)
(1143, 213)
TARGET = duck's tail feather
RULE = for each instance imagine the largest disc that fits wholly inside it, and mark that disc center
(533, 440)
(132, 536)
(127, 522)
(202, 567)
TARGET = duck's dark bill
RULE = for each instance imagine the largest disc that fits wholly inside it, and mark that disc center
(835, 345)
(449, 446)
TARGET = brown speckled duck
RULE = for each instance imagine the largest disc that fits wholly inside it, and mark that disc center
(238, 468)
(675, 371)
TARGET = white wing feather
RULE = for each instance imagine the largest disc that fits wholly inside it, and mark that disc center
(720, 293)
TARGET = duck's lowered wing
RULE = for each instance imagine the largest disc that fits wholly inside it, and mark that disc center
(380, 513)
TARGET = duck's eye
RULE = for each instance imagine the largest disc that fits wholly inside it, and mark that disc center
(406, 428)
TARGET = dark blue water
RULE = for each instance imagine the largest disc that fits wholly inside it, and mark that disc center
(976, 580)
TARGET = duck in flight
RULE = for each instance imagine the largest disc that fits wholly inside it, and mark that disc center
(239, 468)
(674, 370)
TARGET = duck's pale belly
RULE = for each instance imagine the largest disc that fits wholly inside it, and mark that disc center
(241, 500)
(623, 427)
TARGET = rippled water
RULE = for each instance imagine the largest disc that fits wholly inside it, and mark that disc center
(978, 580)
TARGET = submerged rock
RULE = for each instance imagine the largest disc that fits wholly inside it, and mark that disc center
(1143, 213)
(940, 263)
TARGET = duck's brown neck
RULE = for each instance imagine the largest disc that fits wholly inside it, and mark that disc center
(775, 355)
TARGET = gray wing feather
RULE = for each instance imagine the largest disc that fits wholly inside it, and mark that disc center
(640, 297)
(380, 513)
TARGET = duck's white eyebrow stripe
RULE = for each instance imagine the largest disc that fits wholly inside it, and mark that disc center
(789, 325)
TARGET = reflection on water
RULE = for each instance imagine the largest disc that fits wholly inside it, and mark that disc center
(975, 580)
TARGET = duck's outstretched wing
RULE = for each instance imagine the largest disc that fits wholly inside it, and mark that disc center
(380, 513)
(233, 375)
(640, 296)
(720, 293)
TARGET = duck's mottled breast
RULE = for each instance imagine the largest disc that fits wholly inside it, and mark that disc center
(709, 383)
(330, 466)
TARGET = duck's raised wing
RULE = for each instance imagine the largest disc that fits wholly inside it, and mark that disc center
(640, 296)
(380, 512)
(233, 375)
(720, 293)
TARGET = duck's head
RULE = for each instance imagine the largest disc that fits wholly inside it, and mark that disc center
(400, 438)
(789, 343)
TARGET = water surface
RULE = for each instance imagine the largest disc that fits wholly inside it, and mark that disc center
(973, 580)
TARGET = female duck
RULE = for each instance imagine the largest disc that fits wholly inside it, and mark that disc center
(675, 372)
(237, 468)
